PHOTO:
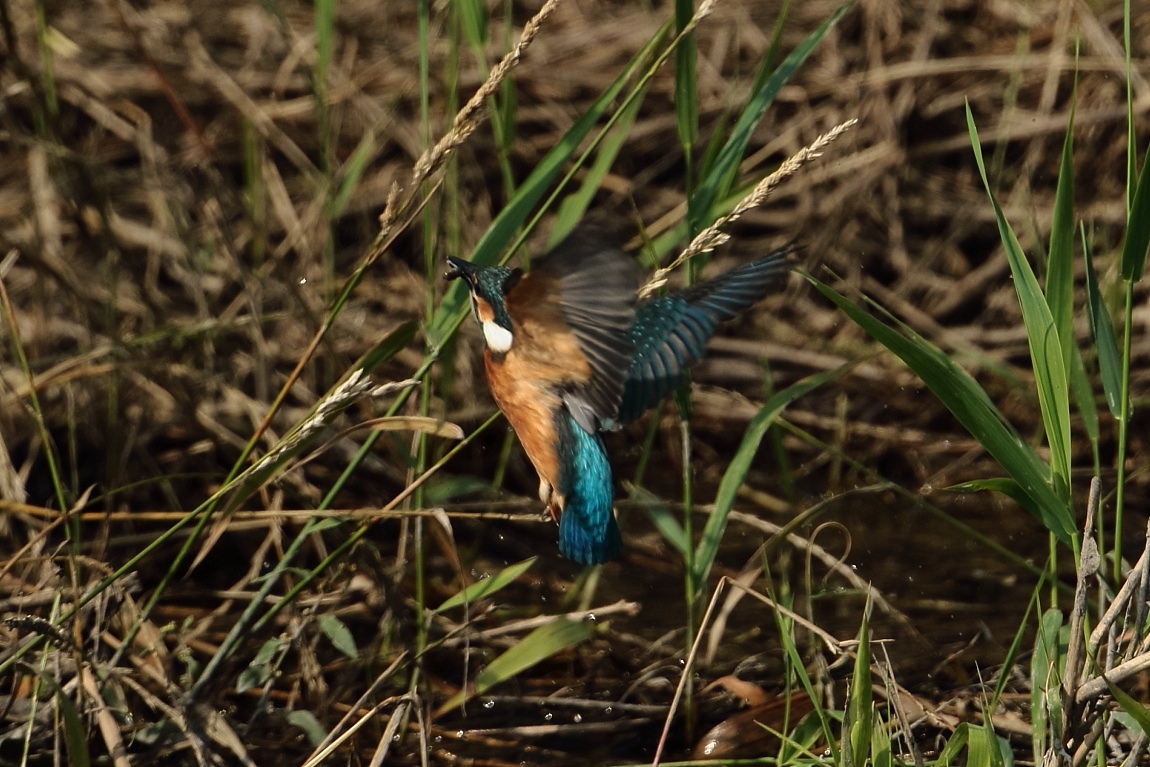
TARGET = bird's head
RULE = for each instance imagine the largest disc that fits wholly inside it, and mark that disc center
(488, 286)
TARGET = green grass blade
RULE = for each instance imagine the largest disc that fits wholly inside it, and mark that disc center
(473, 21)
(985, 748)
(733, 477)
(487, 586)
(1050, 371)
(352, 172)
(686, 77)
(1004, 485)
(575, 205)
(1137, 228)
(325, 51)
(662, 519)
(1083, 390)
(1046, 682)
(860, 706)
(1132, 707)
(74, 734)
(537, 646)
(720, 177)
(1060, 264)
(1101, 328)
(962, 395)
(339, 635)
(953, 748)
(75, 738)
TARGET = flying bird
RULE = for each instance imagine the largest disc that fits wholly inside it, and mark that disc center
(570, 353)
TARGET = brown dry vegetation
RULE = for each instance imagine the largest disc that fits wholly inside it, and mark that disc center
(169, 247)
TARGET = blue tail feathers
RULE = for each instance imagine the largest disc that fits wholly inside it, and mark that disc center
(588, 533)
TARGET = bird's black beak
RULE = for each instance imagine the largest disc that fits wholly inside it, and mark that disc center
(457, 267)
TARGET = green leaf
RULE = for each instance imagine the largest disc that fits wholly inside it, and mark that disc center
(324, 41)
(721, 176)
(537, 646)
(860, 706)
(739, 466)
(1109, 360)
(1083, 390)
(1004, 485)
(391, 344)
(75, 737)
(969, 403)
(953, 748)
(484, 588)
(262, 667)
(662, 518)
(985, 748)
(1131, 706)
(448, 488)
(306, 721)
(339, 635)
(1137, 229)
(352, 171)
(1060, 264)
(686, 98)
(473, 21)
(1050, 370)
(1046, 681)
(575, 205)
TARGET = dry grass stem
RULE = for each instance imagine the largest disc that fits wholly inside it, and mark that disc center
(714, 236)
(466, 120)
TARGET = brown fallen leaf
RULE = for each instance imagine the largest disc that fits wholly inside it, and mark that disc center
(744, 733)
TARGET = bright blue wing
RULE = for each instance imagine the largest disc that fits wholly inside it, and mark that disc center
(671, 332)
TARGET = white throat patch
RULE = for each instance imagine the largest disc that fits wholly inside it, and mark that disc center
(498, 338)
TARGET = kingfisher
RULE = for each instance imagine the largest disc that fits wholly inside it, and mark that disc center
(569, 353)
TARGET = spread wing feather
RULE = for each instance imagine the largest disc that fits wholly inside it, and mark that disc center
(671, 332)
(597, 287)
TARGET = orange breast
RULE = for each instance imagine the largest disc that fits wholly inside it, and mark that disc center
(544, 347)
(530, 406)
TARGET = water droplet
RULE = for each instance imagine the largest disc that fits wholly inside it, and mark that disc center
(577, 718)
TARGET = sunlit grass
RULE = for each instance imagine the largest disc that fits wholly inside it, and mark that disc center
(284, 618)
